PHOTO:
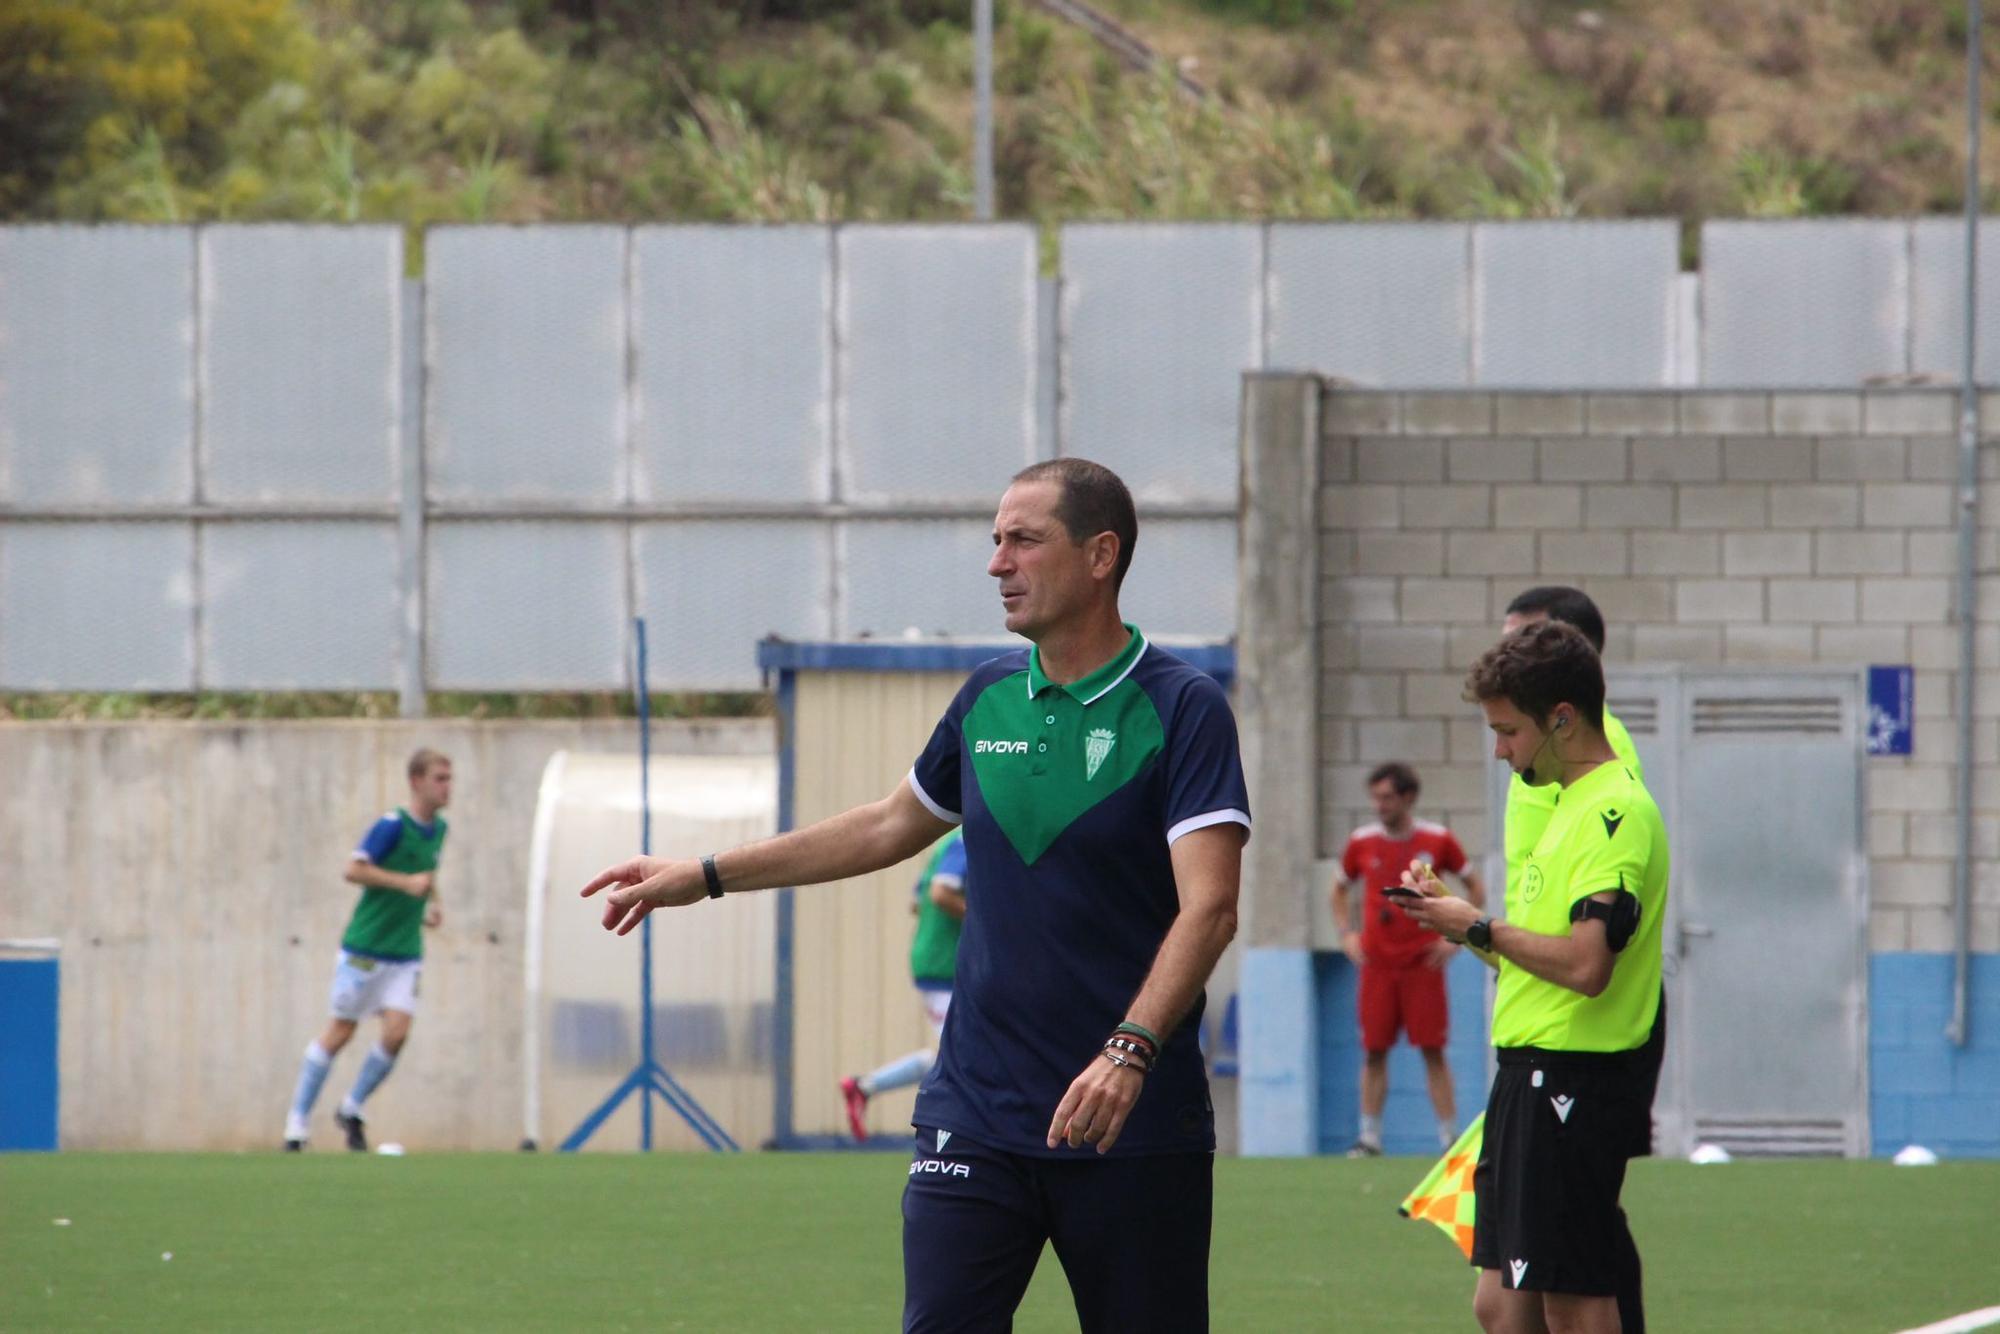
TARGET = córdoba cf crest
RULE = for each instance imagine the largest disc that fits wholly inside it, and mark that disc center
(1095, 747)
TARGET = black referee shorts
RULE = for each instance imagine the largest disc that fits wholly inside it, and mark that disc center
(1558, 1133)
(1131, 1233)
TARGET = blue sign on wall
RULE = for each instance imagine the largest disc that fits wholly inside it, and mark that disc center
(1891, 712)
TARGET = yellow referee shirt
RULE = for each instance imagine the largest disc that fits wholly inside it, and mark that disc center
(1605, 834)
(1529, 808)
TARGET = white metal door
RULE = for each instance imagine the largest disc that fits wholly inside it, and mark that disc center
(1768, 928)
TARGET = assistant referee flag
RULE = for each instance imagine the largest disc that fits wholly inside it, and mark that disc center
(1445, 1196)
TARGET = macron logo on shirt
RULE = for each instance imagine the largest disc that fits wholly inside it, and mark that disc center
(1000, 748)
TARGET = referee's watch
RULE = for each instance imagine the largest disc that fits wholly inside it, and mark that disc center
(1480, 935)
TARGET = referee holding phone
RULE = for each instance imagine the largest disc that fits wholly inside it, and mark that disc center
(1578, 991)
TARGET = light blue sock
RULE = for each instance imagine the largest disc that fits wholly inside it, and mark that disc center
(312, 1074)
(896, 1074)
(373, 1071)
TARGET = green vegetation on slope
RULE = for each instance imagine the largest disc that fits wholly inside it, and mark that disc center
(426, 111)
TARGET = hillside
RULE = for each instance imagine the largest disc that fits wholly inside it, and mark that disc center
(429, 110)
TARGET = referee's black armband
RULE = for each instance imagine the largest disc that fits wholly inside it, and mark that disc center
(1620, 917)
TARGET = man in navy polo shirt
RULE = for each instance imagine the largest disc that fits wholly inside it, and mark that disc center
(1099, 784)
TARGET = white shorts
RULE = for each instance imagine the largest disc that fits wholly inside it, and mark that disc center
(937, 1002)
(363, 986)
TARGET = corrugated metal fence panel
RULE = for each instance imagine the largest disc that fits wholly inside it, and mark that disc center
(525, 345)
(299, 605)
(710, 589)
(96, 364)
(857, 734)
(1804, 303)
(98, 606)
(528, 605)
(1159, 323)
(1937, 299)
(923, 574)
(732, 363)
(1385, 304)
(936, 332)
(1574, 305)
(1183, 578)
(301, 375)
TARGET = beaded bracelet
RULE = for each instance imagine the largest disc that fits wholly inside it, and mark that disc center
(1123, 1051)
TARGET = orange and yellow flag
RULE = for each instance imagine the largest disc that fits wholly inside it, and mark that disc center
(1444, 1196)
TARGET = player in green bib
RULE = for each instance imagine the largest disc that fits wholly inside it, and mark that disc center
(382, 952)
(940, 909)
(1579, 962)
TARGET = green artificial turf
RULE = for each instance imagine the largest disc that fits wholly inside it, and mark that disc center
(763, 1242)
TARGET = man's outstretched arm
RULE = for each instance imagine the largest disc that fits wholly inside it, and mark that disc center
(855, 842)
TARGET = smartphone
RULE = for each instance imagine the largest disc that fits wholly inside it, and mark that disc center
(1402, 892)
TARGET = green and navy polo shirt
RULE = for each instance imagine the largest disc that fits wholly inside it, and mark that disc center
(1071, 797)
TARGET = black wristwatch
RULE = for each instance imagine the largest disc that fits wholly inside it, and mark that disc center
(1480, 934)
(708, 873)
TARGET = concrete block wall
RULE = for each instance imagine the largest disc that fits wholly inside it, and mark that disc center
(1712, 528)
(191, 871)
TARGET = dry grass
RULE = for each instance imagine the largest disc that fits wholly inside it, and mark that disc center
(1657, 104)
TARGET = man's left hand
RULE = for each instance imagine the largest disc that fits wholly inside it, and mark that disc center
(1095, 1108)
(434, 917)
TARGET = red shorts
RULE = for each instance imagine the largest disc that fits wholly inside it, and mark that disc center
(1410, 998)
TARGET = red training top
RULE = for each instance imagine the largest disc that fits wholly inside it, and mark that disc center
(1387, 936)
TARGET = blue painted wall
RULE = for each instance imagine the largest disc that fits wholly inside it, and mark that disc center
(1278, 1091)
(1408, 1124)
(29, 991)
(1922, 1089)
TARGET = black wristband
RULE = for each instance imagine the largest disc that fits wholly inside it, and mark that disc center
(708, 873)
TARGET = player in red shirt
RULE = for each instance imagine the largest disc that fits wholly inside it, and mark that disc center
(1401, 964)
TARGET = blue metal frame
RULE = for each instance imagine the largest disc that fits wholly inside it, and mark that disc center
(649, 1078)
(879, 655)
(781, 990)
(790, 657)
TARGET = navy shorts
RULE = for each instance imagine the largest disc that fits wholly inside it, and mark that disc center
(1131, 1233)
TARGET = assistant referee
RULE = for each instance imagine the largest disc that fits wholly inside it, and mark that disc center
(1528, 812)
(1578, 991)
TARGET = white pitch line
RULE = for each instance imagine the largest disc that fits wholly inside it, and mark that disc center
(1960, 1324)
